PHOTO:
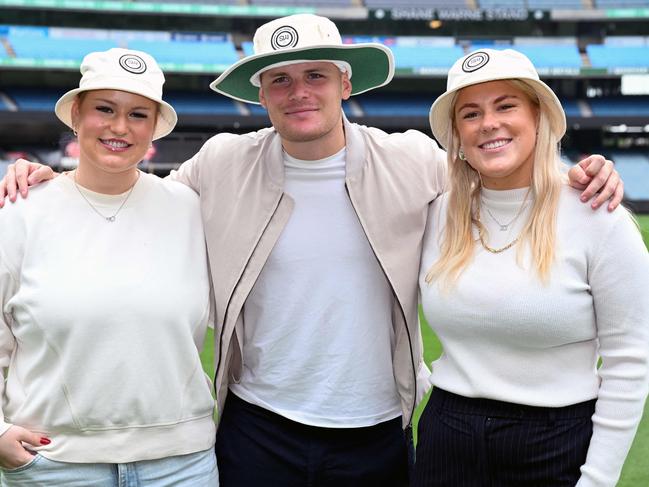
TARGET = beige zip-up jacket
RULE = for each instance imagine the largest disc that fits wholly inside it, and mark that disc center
(390, 179)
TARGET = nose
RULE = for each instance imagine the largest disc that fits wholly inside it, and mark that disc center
(490, 121)
(299, 90)
(119, 124)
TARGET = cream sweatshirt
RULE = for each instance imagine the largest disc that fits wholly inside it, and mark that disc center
(101, 322)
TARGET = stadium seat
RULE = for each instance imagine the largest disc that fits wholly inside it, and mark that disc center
(201, 104)
(634, 170)
(603, 56)
(395, 105)
(422, 57)
(554, 4)
(188, 52)
(630, 106)
(34, 100)
(48, 48)
(552, 56)
(621, 3)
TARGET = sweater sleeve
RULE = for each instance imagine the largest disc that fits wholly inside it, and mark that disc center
(8, 287)
(619, 280)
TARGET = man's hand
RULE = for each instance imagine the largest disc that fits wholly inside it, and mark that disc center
(12, 452)
(594, 175)
(20, 175)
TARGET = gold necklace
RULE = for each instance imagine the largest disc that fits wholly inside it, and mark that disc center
(110, 218)
(491, 249)
(481, 228)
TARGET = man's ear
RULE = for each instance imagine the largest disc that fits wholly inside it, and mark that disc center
(346, 86)
(262, 99)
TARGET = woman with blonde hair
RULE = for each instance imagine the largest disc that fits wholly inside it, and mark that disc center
(527, 290)
(105, 300)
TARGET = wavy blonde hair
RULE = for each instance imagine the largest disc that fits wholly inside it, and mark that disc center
(538, 234)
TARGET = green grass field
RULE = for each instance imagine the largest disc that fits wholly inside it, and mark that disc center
(636, 468)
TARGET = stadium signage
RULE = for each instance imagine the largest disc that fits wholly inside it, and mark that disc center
(460, 15)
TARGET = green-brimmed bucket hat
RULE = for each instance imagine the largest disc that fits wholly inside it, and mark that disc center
(305, 38)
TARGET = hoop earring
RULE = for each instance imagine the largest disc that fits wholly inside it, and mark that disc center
(74, 132)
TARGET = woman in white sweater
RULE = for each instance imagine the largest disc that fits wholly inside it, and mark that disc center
(526, 289)
(104, 294)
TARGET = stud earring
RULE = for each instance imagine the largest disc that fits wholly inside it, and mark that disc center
(461, 156)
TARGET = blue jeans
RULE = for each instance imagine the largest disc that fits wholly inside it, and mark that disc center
(193, 470)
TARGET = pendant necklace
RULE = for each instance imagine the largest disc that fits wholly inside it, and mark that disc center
(505, 226)
(110, 218)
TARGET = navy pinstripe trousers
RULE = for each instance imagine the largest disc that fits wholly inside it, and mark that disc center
(467, 442)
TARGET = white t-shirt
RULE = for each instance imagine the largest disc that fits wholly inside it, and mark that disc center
(318, 334)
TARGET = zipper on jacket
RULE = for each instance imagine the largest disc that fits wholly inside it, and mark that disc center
(403, 314)
(225, 317)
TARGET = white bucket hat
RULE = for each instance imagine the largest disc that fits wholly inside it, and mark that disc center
(123, 70)
(305, 38)
(491, 65)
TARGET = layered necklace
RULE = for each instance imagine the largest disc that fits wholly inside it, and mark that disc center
(108, 218)
(503, 226)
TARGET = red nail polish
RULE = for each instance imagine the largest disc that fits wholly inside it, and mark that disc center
(45, 441)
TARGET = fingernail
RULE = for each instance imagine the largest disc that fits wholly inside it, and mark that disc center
(45, 441)
(583, 198)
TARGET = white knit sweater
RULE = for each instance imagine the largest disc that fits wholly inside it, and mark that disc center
(507, 336)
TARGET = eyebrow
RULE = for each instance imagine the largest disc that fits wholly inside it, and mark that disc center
(109, 102)
(284, 73)
(497, 100)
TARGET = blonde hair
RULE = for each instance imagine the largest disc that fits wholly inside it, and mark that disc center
(538, 234)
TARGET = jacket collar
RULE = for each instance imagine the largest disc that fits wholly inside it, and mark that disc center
(274, 154)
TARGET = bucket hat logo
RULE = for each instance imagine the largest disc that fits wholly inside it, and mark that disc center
(475, 61)
(284, 37)
(132, 63)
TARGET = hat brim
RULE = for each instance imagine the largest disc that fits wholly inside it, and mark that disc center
(372, 67)
(165, 123)
(441, 110)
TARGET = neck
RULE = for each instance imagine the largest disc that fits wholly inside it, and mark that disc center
(106, 183)
(320, 148)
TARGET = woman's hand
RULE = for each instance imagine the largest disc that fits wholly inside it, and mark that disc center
(20, 175)
(12, 452)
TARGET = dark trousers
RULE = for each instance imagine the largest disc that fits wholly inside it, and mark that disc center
(466, 442)
(257, 448)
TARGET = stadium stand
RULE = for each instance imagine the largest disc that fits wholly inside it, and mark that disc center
(37, 43)
(201, 104)
(423, 57)
(621, 3)
(30, 100)
(635, 106)
(580, 59)
(300, 3)
(502, 3)
(201, 52)
(394, 105)
(552, 55)
(452, 4)
(550, 4)
(634, 169)
(607, 56)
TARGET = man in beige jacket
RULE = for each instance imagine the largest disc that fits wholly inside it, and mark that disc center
(314, 230)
